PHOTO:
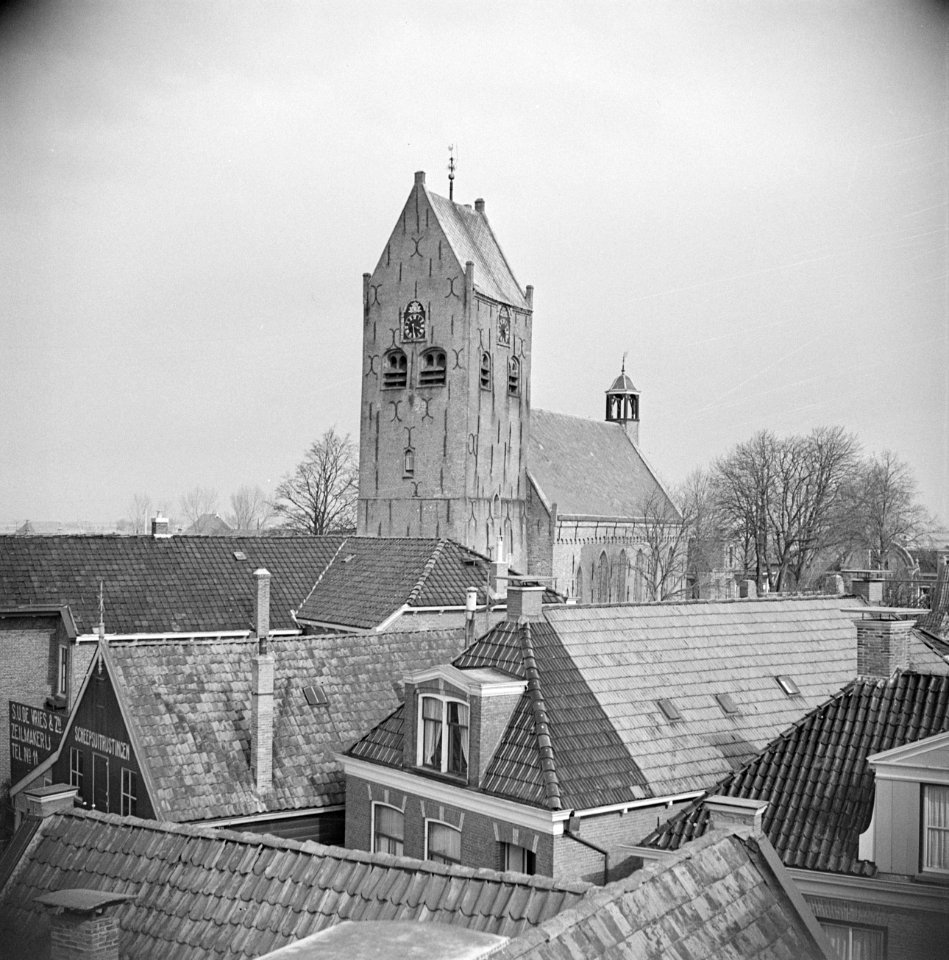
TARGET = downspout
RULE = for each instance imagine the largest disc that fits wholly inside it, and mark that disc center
(567, 832)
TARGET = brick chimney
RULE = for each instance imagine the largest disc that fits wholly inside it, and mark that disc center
(43, 802)
(525, 600)
(936, 620)
(161, 528)
(83, 926)
(882, 646)
(735, 813)
(262, 689)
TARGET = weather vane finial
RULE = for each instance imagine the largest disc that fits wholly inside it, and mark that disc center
(624, 362)
(451, 171)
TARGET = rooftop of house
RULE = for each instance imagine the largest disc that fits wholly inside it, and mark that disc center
(647, 700)
(202, 893)
(722, 897)
(816, 777)
(188, 706)
(591, 468)
(204, 584)
(209, 525)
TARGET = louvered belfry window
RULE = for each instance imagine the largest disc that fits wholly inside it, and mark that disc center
(485, 370)
(514, 377)
(432, 369)
(395, 368)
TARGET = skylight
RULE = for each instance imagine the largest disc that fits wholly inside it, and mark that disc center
(726, 703)
(788, 686)
(240, 555)
(669, 709)
(315, 696)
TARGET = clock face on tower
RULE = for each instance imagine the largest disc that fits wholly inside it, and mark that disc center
(413, 322)
(504, 328)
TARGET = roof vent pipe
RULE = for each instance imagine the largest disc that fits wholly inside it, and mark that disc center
(471, 605)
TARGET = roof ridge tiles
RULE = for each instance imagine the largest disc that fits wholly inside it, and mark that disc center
(426, 570)
(332, 560)
(548, 763)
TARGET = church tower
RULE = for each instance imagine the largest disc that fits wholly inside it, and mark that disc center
(622, 405)
(445, 411)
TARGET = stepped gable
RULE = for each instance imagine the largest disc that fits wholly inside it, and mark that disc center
(202, 893)
(816, 776)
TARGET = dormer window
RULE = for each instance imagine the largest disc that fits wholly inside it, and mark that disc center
(443, 735)
(395, 368)
(433, 368)
(514, 377)
(485, 370)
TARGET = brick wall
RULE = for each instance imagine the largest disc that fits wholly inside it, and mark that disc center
(910, 934)
(887, 645)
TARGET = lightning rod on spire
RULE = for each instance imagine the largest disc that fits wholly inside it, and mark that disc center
(451, 171)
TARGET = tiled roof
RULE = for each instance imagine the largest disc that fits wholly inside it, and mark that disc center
(201, 893)
(720, 898)
(179, 584)
(190, 704)
(602, 670)
(589, 467)
(368, 579)
(816, 777)
(471, 238)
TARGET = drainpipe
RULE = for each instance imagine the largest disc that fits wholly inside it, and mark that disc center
(568, 832)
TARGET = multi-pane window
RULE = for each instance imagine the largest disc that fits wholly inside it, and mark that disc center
(443, 735)
(935, 839)
(62, 672)
(855, 942)
(514, 377)
(76, 769)
(129, 805)
(432, 369)
(518, 859)
(395, 367)
(485, 371)
(388, 829)
(443, 843)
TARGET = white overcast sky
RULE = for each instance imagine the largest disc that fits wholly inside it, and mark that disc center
(748, 197)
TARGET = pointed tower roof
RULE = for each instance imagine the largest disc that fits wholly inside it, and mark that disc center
(622, 384)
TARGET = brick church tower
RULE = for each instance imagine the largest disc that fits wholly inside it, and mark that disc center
(445, 411)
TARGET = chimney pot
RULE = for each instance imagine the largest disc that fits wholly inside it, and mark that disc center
(420, 176)
(161, 529)
(479, 205)
(736, 813)
(525, 600)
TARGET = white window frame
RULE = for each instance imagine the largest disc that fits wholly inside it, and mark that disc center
(448, 826)
(128, 793)
(925, 827)
(524, 853)
(420, 728)
(76, 769)
(850, 928)
(372, 840)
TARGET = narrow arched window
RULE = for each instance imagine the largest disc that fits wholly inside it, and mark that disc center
(621, 566)
(408, 463)
(602, 579)
(578, 593)
(432, 368)
(514, 377)
(639, 577)
(485, 371)
(395, 367)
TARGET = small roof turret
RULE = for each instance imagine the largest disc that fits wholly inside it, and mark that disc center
(622, 404)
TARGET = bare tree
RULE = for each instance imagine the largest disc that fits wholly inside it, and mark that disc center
(198, 501)
(250, 510)
(661, 568)
(782, 497)
(140, 512)
(319, 496)
(882, 508)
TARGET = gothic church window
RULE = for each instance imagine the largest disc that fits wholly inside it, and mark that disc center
(408, 463)
(433, 369)
(639, 578)
(395, 367)
(579, 591)
(514, 377)
(621, 567)
(602, 580)
(485, 371)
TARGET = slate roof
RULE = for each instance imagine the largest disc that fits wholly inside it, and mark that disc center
(723, 897)
(189, 705)
(591, 714)
(179, 584)
(589, 467)
(816, 775)
(203, 893)
(471, 238)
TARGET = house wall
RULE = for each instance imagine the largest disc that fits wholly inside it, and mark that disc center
(541, 537)
(28, 664)
(481, 836)
(910, 934)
